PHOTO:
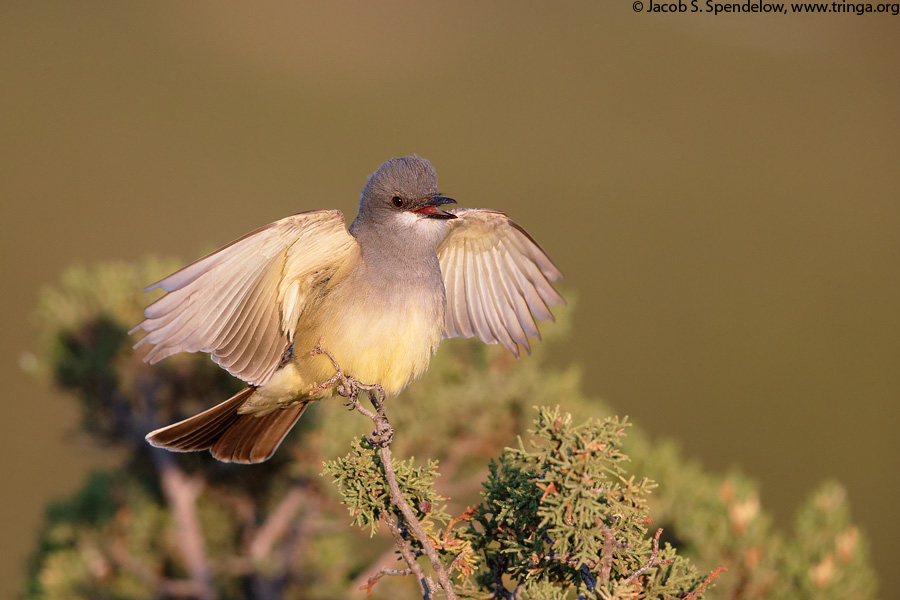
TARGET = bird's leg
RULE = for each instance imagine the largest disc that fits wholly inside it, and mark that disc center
(350, 388)
(344, 383)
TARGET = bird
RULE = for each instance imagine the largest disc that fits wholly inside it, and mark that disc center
(379, 296)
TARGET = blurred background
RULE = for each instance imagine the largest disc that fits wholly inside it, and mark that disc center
(722, 193)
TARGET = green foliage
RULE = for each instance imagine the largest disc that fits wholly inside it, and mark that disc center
(361, 480)
(565, 514)
(827, 557)
(109, 516)
(539, 511)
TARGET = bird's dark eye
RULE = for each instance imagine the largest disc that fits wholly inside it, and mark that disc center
(397, 201)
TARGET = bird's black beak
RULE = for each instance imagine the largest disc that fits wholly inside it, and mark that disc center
(429, 209)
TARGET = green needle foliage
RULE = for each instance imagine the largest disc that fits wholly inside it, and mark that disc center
(361, 480)
(566, 515)
(569, 511)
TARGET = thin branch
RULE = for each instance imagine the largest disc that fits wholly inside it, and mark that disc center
(456, 561)
(714, 575)
(654, 559)
(465, 516)
(277, 524)
(181, 493)
(413, 523)
(407, 554)
(374, 566)
(381, 573)
(609, 544)
(515, 593)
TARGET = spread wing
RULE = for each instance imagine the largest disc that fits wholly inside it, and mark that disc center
(496, 277)
(241, 303)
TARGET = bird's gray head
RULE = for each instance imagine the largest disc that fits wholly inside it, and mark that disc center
(403, 194)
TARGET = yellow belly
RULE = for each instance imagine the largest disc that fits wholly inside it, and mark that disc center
(374, 340)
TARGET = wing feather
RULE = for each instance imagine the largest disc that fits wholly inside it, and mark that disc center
(241, 303)
(457, 293)
(532, 297)
(497, 279)
(491, 303)
(519, 304)
(505, 304)
(451, 320)
(474, 300)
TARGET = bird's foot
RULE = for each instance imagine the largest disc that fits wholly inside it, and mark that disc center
(350, 388)
(383, 434)
(339, 378)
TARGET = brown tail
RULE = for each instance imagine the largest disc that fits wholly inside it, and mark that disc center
(229, 436)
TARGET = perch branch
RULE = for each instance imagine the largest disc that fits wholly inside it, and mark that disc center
(381, 438)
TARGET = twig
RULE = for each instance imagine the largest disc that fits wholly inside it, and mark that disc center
(374, 566)
(465, 516)
(410, 559)
(277, 524)
(455, 564)
(714, 575)
(381, 438)
(515, 593)
(381, 573)
(654, 559)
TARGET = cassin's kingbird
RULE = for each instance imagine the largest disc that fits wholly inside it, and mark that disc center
(379, 297)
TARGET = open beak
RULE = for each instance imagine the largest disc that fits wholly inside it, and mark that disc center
(429, 209)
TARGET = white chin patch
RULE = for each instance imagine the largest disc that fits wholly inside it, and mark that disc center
(428, 230)
(411, 219)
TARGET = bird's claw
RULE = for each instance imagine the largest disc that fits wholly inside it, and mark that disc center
(350, 388)
(383, 434)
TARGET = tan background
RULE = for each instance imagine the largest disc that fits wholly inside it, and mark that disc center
(723, 194)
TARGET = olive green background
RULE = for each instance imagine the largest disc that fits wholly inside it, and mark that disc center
(722, 193)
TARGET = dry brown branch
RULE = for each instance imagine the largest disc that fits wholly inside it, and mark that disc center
(409, 557)
(181, 493)
(609, 544)
(381, 573)
(465, 516)
(277, 524)
(374, 567)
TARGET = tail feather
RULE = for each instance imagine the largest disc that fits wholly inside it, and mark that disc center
(254, 439)
(196, 434)
(229, 436)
